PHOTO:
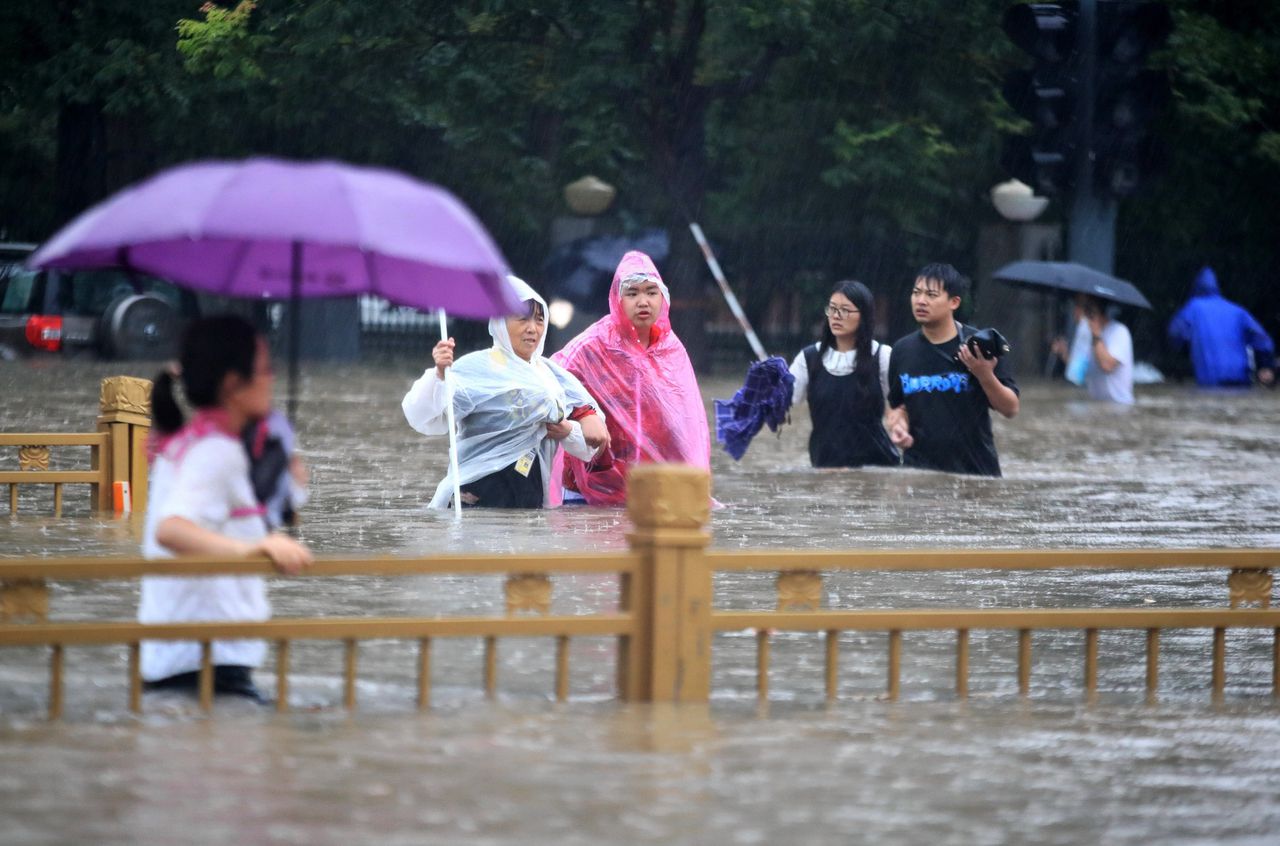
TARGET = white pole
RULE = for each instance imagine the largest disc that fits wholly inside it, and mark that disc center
(453, 432)
(734, 305)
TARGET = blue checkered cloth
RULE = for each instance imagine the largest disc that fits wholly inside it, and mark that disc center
(763, 399)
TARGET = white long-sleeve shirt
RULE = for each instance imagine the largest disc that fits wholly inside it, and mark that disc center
(838, 363)
(425, 408)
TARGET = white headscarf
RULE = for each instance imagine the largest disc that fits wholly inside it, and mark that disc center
(502, 404)
(540, 367)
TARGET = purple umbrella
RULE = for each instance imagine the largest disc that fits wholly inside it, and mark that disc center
(271, 228)
(276, 229)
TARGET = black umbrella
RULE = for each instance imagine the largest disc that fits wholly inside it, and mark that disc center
(1073, 277)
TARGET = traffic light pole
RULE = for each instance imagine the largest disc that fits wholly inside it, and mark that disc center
(1091, 229)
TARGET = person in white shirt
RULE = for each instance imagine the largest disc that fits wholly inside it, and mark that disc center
(1102, 348)
(202, 502)
(513, 408)
(844, 378)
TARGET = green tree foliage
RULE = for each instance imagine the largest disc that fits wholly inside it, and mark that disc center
(1215, 202)
(870, 151)
(813, 139)
(85, 85)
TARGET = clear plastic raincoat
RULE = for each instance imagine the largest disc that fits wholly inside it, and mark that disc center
(650, 395)
(501, 404)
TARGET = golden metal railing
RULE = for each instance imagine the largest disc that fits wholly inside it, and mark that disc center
(33, 467)
(117, 451)
(963, 621)
(24, 613)
(800, 586)
(665, 621)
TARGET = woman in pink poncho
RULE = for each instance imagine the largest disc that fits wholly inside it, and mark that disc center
(639, 372)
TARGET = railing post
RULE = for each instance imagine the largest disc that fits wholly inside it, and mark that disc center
(669, 657)
(124, 413)
(24, 600)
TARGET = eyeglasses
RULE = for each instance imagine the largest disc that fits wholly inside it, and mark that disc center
(837, 311)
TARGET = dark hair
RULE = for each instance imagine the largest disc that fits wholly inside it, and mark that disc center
(865, 365)
(533, 308)
(860, 296)
(212, 347)
(948, 278)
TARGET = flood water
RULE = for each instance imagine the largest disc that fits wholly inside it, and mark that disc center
(1185, 468)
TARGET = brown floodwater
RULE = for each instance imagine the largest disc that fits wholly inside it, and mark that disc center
(1184, 468)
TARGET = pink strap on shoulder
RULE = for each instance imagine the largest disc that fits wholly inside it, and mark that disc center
(201, 425)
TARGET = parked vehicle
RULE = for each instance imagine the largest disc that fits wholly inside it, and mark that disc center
(112, 313)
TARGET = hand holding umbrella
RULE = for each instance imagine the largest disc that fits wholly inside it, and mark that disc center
(442, 354)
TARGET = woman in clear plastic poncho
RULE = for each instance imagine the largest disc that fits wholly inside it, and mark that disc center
(638, 370)
(514, 410)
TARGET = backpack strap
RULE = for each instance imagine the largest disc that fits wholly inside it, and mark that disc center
(811, 358)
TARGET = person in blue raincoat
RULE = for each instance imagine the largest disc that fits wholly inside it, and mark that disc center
(1220, 334)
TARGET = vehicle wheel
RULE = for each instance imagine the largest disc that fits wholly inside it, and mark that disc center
(139, 326)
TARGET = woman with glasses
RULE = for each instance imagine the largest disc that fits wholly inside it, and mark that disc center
(844, 378)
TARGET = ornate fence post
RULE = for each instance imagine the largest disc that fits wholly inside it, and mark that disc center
(125, 414)
(669, 658)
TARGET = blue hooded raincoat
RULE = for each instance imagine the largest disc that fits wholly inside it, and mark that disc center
(1219, 332)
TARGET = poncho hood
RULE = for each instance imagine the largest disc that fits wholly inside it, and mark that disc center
(634, 267)
(498, 325)
(1206, 284)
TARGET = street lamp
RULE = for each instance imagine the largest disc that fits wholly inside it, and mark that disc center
(587, 199)
(1027, 317)
(589, 196)
(1016, 202)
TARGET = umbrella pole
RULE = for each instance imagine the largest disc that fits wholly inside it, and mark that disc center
(734, 305)
(453, 432)
(295, 328)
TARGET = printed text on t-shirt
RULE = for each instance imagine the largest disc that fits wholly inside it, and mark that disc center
(940, 383)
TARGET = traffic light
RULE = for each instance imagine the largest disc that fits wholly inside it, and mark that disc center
(1127, 98)
(1046, 95)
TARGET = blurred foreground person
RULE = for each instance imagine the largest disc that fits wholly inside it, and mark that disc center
(845, 379)
(513, 408)
(202, 502)
(940, 389)
(635, 366)
(278, 472)
(1221, 334)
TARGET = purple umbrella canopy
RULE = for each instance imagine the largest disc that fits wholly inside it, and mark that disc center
(280, 229)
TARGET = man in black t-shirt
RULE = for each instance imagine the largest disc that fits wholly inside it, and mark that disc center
(940, 390)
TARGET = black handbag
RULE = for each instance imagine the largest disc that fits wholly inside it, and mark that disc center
(268, 462)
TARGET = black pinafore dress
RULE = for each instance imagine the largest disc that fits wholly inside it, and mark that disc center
(847, 427)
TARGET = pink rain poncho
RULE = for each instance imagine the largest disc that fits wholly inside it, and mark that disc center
(650, 397)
